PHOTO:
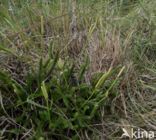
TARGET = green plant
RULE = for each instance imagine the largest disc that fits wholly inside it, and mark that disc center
(54, 100)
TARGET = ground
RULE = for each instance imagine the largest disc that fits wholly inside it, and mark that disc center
(84, 70)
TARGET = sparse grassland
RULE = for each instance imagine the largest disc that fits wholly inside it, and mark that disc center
(75, 71)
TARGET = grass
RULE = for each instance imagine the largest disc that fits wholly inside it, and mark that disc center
(76, 74)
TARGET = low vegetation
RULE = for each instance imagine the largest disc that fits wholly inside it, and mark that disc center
(77, 70)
